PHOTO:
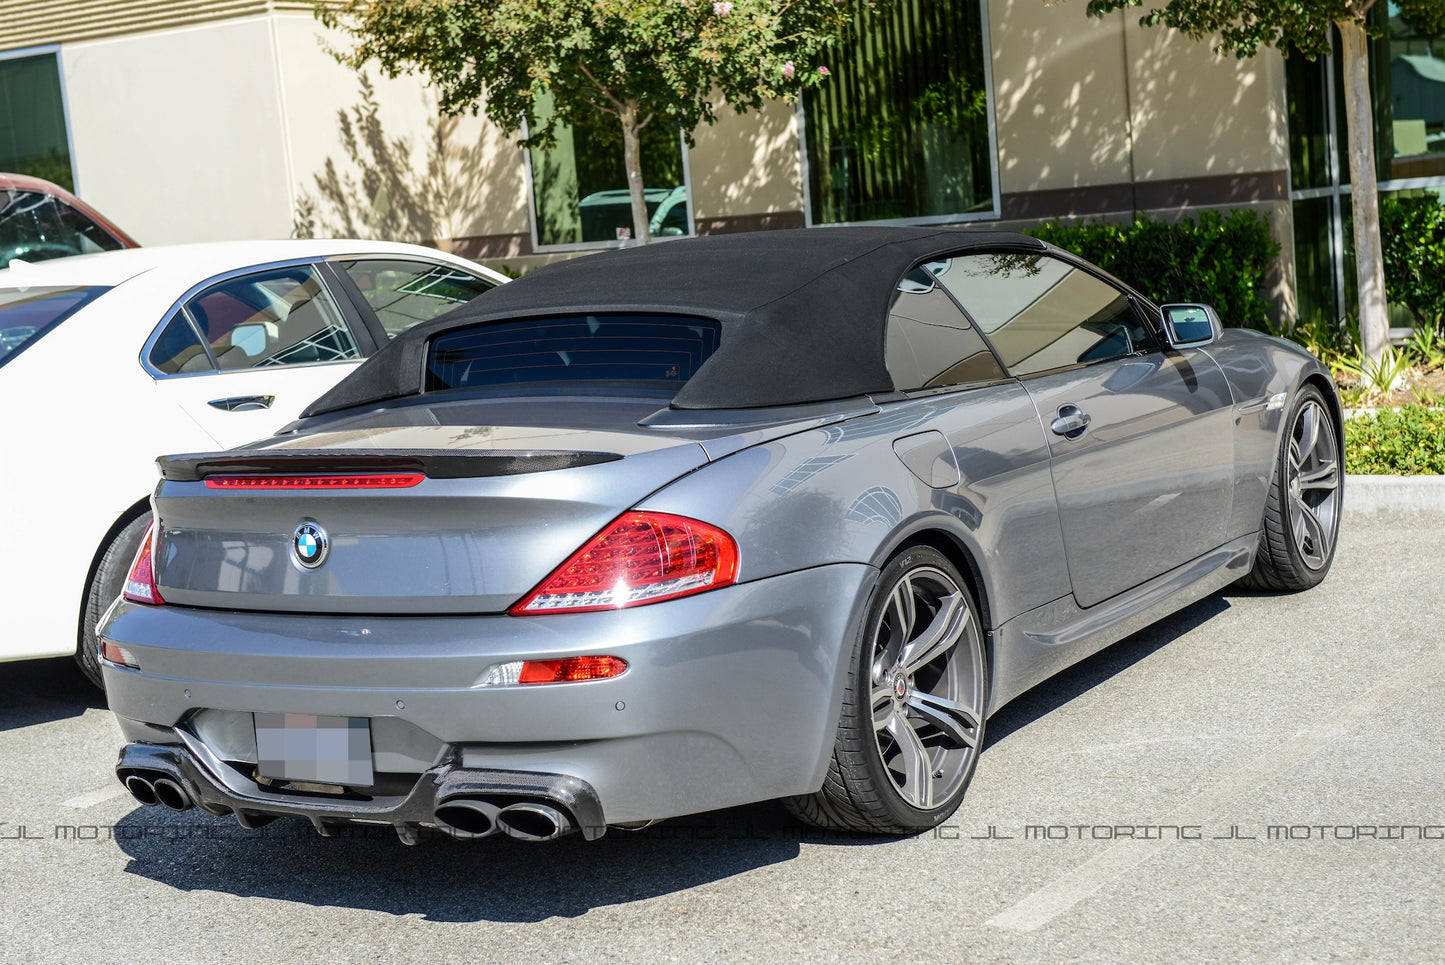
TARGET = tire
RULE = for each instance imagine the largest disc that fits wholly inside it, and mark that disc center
(1302, 511)
(106, 584)
(913, 713)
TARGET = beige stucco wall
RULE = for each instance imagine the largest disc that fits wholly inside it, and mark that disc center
(1066, 87)
(1059, 96)
(1197, 113)
(480, 188)
(747, 163)
(212, 132)
(177, 133)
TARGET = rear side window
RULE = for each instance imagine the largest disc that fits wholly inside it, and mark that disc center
(403, 293)
(640, 349)
(283, 316)
(26, 314)
(35, 227)
(930, 342)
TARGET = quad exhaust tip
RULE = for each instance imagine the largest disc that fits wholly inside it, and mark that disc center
(525, 820)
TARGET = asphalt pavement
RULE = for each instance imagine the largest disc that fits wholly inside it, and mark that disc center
(1257, 778)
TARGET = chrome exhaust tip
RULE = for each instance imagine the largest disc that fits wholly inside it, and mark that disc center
(142, 790)
(466, 817)
(533, 821)
(171, 794)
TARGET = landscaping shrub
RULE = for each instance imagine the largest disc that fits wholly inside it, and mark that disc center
(1412, 234)
(1407, 441)
(1217, 259)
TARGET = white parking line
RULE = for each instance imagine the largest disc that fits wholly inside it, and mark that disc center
(91, 798)
(1066, 891)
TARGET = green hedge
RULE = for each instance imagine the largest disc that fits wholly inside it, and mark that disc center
(1218, 259)
(1405, 442)
(1412, 235)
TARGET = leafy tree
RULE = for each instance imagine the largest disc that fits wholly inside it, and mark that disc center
(639, 61)
(1243, 26)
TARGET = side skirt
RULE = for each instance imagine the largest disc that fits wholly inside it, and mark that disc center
(1034, 646)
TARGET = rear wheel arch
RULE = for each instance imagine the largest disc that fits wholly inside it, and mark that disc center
(88, 609)
(957, 552)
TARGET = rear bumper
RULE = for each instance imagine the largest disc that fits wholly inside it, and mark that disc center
(730, 696)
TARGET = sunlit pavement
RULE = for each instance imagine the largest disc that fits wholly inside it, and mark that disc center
(1257, 778)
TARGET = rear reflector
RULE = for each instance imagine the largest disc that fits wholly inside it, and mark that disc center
(561, 671)
(394, 480)
(639, 558)
(115, 653)
(140, 585)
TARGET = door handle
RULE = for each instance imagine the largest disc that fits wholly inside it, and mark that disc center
(243, 403)
(1071, 423)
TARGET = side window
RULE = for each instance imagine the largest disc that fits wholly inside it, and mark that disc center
(1041, 313)
(178, 349)
(403, 293)
(279, 317)
(930, 342)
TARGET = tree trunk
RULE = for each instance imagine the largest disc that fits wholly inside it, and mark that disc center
(1364, 195)
(632, 159)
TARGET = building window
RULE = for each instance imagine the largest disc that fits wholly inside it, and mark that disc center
(579, 188)
(902, 130)
(1407, 81)
(1413, 99)
(34, 138)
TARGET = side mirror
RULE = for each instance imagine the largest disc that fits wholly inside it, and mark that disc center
(1188, 326)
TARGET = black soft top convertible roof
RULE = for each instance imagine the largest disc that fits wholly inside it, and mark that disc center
(804, 312)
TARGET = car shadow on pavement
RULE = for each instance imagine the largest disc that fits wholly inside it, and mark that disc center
(496, 879)
(40, 691)
(1084, 676)
(502, 880)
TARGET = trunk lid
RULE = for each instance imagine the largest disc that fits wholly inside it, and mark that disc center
(486, 523)
(508, 492)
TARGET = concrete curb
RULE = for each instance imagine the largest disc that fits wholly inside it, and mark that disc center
(1398, 494)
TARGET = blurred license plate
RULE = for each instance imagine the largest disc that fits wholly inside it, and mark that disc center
(314, 750)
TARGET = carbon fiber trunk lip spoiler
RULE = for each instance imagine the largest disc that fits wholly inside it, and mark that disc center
(434, 463)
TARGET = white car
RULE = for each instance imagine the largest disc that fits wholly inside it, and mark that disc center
(109, 360)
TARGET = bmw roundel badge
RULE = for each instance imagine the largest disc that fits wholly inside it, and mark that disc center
(310, 544)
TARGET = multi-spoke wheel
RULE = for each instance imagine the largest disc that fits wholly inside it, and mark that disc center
(913, 712)
(1302, 513)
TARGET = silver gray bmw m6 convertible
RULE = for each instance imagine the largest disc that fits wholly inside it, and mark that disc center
(779, 515)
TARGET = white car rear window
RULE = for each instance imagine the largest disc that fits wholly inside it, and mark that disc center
(26, 314)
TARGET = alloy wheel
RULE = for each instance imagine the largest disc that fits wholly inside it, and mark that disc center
(926, 679)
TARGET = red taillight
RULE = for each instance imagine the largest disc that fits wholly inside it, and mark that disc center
(639, 558)
(140, 585)
(391, 480)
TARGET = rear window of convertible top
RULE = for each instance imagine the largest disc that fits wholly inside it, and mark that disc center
(639, 349)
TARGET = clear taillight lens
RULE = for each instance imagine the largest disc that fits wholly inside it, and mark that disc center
(140, 585)
(639, 558)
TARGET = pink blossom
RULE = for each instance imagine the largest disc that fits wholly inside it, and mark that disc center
(722, 8)
(823, 71)
(788, 70)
